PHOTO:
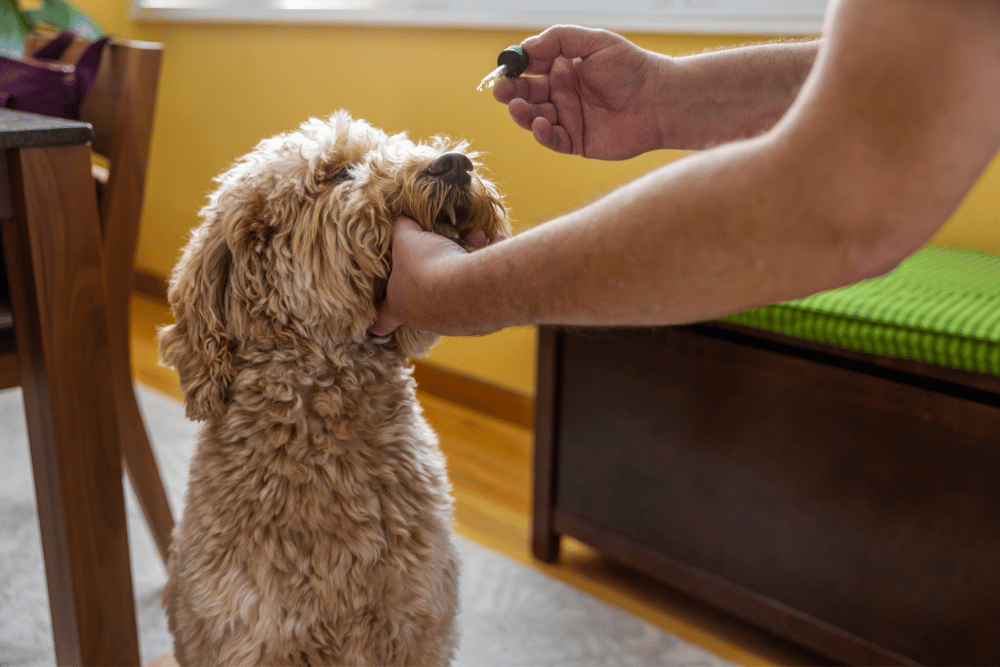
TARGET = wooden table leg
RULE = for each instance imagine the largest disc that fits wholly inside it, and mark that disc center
(140, 462)
(53, 251)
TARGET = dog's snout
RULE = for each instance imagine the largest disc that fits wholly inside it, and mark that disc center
(452, 167)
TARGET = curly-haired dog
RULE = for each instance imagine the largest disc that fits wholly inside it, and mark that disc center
(317, 520)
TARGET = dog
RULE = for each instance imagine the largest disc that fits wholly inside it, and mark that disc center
(317, 520)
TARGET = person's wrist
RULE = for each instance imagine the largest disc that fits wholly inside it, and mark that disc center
(680, 108)
(440, 304)
(660, 92)
(434, 295)
(461, 306)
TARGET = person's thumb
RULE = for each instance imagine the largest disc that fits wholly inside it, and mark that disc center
(403, 226)
(385, 323)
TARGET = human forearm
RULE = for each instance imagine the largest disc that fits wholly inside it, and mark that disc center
(721, 96)
(710, 235)
(883, 141)
(880, 146)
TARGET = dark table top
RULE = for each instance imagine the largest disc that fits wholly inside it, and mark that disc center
(26, 130)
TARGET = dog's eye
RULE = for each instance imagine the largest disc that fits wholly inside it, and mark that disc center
(342, 174)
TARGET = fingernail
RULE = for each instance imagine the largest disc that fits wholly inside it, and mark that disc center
(477, 239)
(497, 238)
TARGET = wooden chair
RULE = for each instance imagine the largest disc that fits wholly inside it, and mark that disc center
(120, 108)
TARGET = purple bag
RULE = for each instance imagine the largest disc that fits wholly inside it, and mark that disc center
(44, 85)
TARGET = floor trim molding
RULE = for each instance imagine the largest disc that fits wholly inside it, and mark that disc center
(469, 392)
(150, 285)
(475, 394)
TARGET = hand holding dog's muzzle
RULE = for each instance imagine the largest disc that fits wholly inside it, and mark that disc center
(419, 260)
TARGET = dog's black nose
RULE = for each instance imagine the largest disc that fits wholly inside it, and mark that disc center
(452, 167)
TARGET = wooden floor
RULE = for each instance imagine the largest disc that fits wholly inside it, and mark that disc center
(490, 467)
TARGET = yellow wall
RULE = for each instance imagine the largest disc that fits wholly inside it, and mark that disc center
(224, 87)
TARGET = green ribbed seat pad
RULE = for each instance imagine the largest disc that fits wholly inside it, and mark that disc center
(938, 306)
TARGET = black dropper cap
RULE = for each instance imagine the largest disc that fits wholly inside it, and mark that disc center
(514, 61)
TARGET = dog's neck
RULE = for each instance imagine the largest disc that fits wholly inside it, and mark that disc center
(309, 363)
(338, 391)
(360, 374)
(294, 411)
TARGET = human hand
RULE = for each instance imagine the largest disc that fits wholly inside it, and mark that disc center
(420, 259)
(593, 93)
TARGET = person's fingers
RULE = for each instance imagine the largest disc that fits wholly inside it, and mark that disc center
(477, 239)
(417, 242)
(504, 90)
(524, 114)
(567, 41)
(402, 231)
(553, 137)
(533, 89)
(497, 238)
(413, 251)
(566, 98)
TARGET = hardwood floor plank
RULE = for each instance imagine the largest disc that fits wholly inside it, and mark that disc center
(147, 316)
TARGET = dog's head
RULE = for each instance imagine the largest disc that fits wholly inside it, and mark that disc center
(293, 247)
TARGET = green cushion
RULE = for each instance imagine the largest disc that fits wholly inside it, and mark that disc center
(938, 306)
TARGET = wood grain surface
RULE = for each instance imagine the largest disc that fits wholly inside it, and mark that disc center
(52, 248)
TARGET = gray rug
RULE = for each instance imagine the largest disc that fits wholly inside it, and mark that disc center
(512, 615)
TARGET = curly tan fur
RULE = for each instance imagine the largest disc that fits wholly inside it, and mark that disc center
(317, 520)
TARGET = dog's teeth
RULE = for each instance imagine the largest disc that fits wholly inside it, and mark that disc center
(450, 210)
(446, 230)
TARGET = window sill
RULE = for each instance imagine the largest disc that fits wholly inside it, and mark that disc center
(433, 13)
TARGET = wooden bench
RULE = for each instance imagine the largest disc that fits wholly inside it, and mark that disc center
(831, 494)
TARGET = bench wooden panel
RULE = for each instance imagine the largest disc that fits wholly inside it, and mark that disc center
(843, 503)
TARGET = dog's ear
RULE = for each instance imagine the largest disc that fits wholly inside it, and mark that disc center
(198, 346)
(359, 260)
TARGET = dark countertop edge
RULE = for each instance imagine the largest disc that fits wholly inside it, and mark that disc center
(24, 130)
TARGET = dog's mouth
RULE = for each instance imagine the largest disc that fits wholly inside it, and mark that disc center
(451, 218)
